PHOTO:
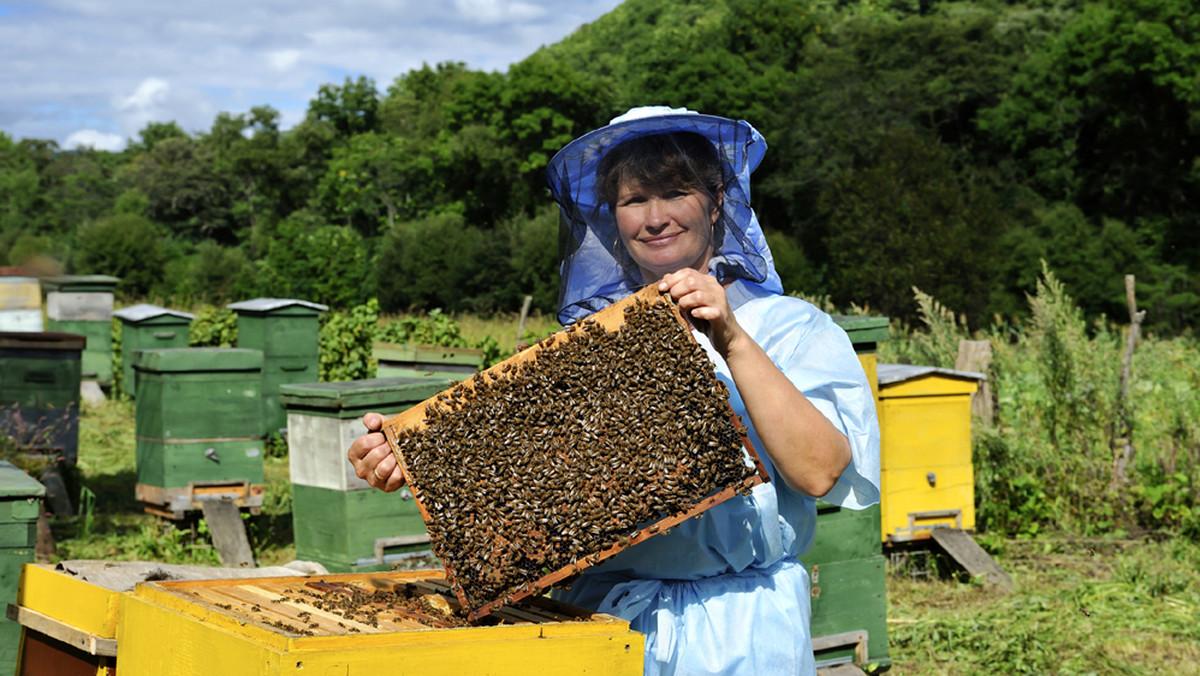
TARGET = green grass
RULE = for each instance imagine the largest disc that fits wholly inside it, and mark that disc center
(1080, 607)
(111, 524)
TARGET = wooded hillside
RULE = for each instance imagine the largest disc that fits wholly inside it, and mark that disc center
(945, 145)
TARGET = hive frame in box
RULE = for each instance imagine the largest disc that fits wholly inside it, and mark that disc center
(611, 318)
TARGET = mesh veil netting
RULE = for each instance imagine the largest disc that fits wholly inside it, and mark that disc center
(593, 275)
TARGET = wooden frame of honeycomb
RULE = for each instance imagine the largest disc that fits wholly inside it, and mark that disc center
(593, 440)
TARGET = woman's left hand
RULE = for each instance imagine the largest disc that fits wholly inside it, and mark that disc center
(702, 300)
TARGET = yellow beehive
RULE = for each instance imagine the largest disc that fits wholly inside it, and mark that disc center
(264, 626)
(926, 478)
(69, 626)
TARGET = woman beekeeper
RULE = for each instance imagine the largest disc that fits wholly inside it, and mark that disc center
(662, 196)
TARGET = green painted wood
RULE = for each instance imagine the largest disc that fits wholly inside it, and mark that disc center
(37, 378)
(175, 465)
(199, 416)
(199, 360)
(20, 502)
(80, 283)
(279, 371)
(353, 398)
(844, 534)
(291, 331)
(199, 393)
(342, 526)
(15, 483)
(153, 333)
(864, 332)
(11, 560)
(97, 356)
(40, 374)
(851, 596)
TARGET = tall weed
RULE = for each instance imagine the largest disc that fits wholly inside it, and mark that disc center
(1045, 463)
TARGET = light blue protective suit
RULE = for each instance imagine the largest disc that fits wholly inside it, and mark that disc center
(724, 593)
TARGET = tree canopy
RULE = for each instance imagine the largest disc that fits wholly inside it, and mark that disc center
(944, 144)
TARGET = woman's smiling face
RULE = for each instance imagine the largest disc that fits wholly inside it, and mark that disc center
(666, 229)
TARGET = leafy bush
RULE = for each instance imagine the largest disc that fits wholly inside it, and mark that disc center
(345, 343)
(213, 327)
(126, 246)
(434, 328)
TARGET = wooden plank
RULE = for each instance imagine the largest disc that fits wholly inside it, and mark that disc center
(228, 533)
(962, 548)
(76, 638)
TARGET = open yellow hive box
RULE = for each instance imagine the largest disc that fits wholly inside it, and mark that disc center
(70, 625)
(595, 439)
(358, 624)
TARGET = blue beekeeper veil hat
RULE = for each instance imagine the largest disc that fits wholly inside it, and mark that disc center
(593, 276)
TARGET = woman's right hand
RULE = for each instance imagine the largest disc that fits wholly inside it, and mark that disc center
(372, 457)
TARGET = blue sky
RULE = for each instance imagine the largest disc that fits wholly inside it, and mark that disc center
(95, 72)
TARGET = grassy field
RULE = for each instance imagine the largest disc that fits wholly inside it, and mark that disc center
(1095, 606)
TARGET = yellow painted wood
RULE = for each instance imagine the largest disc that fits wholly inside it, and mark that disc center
(82, 605)
(925, 427)
(20, 294)
(908, 493)
(870, 364)
(930, 385)
(925, 432)
(185, 628)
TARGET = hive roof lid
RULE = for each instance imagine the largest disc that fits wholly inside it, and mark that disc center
(889, 374)
(269, 304)
(144, 311)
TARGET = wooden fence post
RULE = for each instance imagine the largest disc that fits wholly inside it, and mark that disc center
(976, 355)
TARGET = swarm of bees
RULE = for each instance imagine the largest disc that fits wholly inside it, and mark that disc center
(554, 462)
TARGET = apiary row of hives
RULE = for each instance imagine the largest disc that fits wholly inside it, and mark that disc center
(594, 440)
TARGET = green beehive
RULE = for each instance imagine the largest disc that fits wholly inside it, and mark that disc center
(849, 611)
(844, 534)
(338, 520)
(20, 502)
(199, 428)
(39, 390)
(148, 327)
(846, 569)
(83, 304)
(287, 332)
(356, 531)
(428, 361)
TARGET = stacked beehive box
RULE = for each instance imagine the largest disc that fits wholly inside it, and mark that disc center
(149, 327)
(199, 428)
(592, 441)
(338, 519)
(428, 361)
(83, 304)
(39, 391)
(287, 332)
(20, 502)
(847, 572)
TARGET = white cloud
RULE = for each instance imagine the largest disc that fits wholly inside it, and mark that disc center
(497, 11)
(148, 103)
(98, 140)
(283, 59)
(71, 66)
